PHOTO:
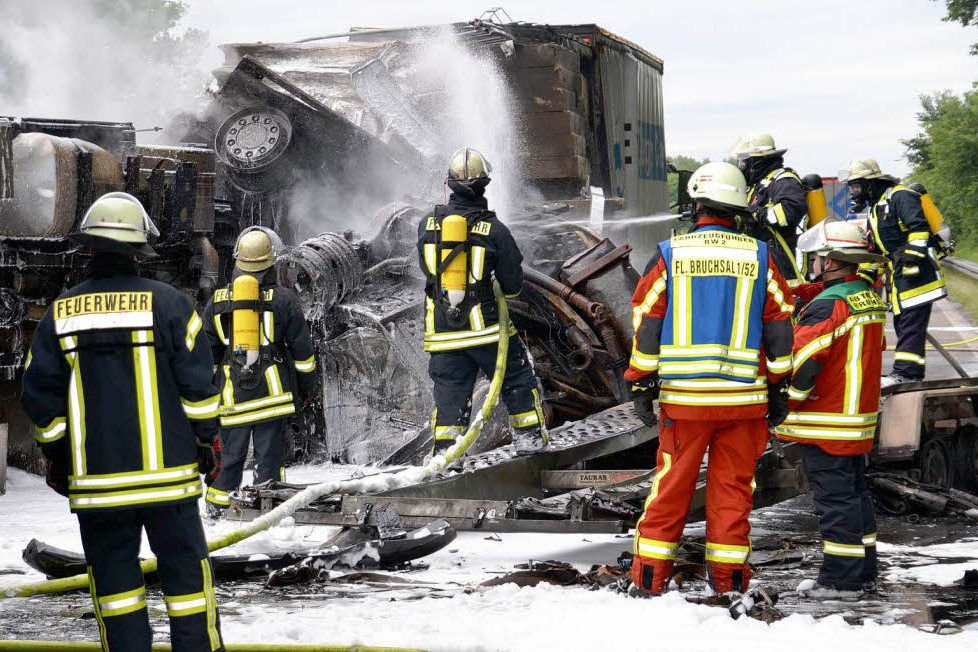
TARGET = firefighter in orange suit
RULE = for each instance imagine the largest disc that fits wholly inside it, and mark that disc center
(713, 337)
(834, 400)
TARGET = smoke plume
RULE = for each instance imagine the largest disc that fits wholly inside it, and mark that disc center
(99, 60)
(471, 104)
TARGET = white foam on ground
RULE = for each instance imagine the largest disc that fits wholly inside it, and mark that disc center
(501, 618)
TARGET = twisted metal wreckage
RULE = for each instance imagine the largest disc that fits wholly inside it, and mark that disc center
(289, 117)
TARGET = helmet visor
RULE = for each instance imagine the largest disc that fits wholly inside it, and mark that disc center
(813, 239)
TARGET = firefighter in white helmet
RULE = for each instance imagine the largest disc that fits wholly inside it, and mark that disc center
(899, 230)
(712, 317)
(118, 384)
(462, 247)
(266, 360)
(776, 199)
(834, 401)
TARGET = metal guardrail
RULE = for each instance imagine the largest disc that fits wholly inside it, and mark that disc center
(962, 266)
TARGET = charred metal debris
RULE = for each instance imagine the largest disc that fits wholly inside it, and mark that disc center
(337, 117)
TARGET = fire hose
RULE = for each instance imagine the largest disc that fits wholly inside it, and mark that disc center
(374, 483)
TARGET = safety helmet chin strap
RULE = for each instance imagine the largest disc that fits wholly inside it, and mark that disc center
(821, 275)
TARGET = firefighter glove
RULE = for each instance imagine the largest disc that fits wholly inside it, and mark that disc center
(307, 385)
(209, 459)
(56, 475)
(777, 402)
(644, 392)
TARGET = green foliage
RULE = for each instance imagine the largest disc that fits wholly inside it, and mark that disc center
(680, 162)
(962, 289)
(964, 12)
(945, 158)
(154, 23)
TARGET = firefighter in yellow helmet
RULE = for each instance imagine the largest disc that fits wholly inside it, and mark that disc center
(266, 360)
(118, 384)
(776, 199)
(900, 231)
(462, 246)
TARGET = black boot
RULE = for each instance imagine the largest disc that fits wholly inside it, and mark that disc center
(529, 441)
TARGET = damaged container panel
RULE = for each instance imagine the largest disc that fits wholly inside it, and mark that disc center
(588, 110)
(593, 113)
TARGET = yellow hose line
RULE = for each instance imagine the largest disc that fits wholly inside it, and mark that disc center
(76, 646)
(967, 341)
(401, 479)
(959, 343)
(495, 386)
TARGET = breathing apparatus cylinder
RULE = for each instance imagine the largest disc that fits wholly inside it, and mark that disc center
(931, 213)
(454, 230)
(818, 208)
(244, 321)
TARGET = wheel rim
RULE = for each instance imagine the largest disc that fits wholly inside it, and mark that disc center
(935, 465)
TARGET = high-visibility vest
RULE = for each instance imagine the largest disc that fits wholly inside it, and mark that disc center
(839, 412)
(717, 280)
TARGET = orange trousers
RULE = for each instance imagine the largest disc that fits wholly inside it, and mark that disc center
(734, 447)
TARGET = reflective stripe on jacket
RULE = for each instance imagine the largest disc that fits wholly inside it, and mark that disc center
(835, 390)
(491, 253)
(779, 206)
(896, 221)
(712, 320)
(119, 383)
(285, 349)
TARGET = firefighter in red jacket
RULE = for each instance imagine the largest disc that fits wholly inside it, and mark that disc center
(712, 321)
(834, 400)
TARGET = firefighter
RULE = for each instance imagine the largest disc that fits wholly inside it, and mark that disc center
(834, 400)
(267, 364)
(899, 231)
(118, 384)
(777, 201)
(712, 317)
(462, 247)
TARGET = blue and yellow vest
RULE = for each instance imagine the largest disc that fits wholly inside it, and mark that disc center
(717, 283)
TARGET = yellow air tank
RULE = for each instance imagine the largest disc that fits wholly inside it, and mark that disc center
(244, 321)
(818, 209)
(931, 212)
(454, 230)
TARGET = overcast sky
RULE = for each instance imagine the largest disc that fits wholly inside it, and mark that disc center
(830, 79)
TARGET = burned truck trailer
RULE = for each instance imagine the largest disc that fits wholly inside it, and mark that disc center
(299, 131)
(364, 128)
(585, 108)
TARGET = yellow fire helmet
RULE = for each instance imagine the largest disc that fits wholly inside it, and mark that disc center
(468, 164)
(863, 168)
(758, 145)
(256, 249)
(117, 222)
